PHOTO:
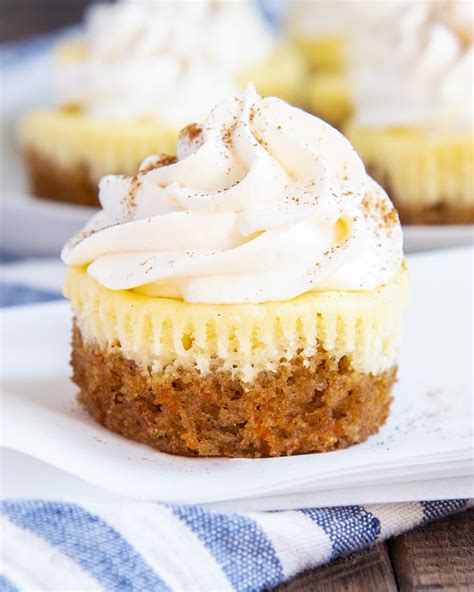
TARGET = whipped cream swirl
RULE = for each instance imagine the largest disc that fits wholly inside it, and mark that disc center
(265, 202)
(421, 72)
(163, 60)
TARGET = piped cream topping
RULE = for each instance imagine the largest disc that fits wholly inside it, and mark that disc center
(163, 60)
(265, 202)
(421, 71)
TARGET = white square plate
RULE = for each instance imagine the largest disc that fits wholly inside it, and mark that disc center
(427, 438)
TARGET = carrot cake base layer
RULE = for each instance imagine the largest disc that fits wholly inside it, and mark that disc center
(441, 213)
(306, 405)
(444, 211)
(51, 180)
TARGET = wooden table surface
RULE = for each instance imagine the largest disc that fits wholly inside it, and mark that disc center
(437, 557)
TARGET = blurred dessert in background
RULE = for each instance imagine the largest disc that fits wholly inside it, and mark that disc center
(413, 117)
(141, 71)
(333, 37)
(244, 299)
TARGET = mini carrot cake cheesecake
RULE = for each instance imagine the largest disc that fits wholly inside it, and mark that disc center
(413, 120)
(140, 73)
(245, 299)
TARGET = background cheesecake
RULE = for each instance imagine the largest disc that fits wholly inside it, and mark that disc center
(413, 118)
(121, 97)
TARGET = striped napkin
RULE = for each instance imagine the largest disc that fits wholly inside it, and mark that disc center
(154, 547)
(142, 546)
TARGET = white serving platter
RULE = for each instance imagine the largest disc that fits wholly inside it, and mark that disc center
(426, 445)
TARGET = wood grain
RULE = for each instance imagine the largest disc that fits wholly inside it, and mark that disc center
(439, 556)
(368, 571)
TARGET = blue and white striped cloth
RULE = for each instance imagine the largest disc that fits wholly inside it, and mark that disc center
(139, 546)
(142, 546)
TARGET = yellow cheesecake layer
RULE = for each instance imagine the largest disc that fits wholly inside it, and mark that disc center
(283, 75)
(244, 338)
(72, 139)
(330, 97)
(71, 50)
(418, 168)
(324, 54)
